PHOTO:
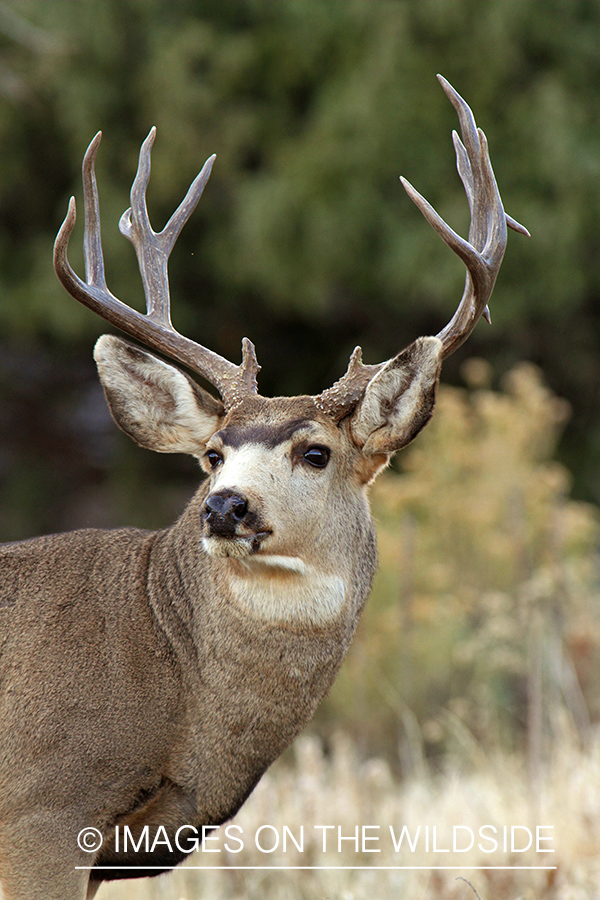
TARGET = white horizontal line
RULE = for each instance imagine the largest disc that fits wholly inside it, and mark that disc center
(311, 868)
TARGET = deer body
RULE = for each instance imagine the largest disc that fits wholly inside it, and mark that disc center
(191, 703)
(148, 679)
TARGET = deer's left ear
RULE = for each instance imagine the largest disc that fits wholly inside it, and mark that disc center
(399, 400)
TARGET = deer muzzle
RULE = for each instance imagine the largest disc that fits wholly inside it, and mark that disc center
(230, 526)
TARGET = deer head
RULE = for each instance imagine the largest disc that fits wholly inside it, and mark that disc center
(343, 436)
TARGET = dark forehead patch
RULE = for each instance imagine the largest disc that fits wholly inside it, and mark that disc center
(268, 434)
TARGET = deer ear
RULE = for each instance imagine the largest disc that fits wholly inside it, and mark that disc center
(398, 401)
(153, 402)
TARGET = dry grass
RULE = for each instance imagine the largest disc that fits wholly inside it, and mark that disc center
(313, 788)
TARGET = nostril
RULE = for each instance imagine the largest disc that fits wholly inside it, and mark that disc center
(239, 507)
(214, 505)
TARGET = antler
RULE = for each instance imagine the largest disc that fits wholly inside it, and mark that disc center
(154, 328)
(482, 254)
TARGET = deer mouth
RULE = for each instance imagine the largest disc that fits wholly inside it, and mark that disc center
(235, 546)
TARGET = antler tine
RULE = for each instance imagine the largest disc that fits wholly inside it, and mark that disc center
(152, 249)
(92, 237)
(154, 329)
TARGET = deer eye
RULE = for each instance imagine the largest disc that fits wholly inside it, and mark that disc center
(214, 458)
(317, 456)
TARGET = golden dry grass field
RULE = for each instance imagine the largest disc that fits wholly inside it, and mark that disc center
(338, 789)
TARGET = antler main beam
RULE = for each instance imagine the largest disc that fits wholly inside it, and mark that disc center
(482, 253)
(152, 249)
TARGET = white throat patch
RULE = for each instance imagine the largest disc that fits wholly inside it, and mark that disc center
(286, 589)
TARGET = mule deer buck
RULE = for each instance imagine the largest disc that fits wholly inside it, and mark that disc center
(148, 679)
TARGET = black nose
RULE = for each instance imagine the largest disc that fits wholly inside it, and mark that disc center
(224, 511)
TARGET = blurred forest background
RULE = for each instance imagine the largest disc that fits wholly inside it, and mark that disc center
(483, 630)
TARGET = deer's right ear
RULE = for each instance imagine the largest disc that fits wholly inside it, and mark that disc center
(398, 402)
(153, 402)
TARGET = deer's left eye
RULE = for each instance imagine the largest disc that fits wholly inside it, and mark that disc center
(214, 458)
(317, 456)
